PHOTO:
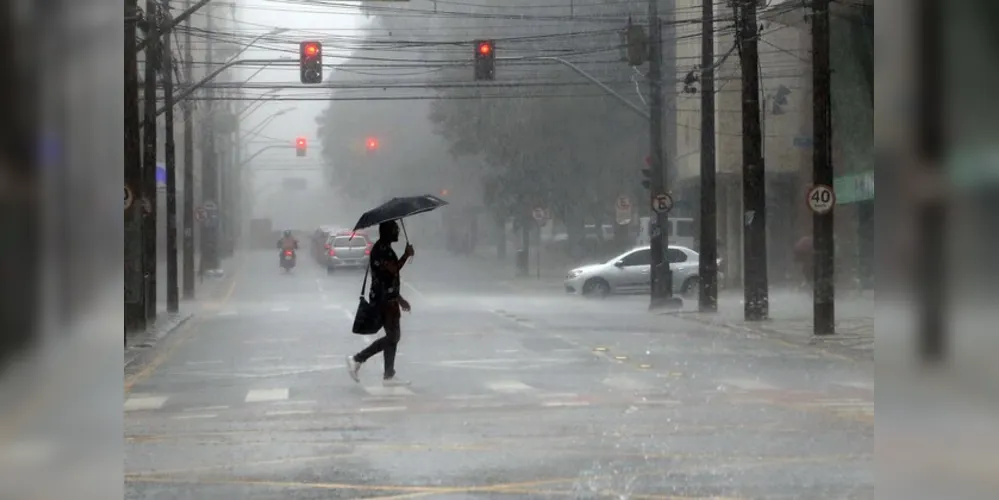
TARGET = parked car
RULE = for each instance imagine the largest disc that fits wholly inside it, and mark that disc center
(631, 272)
(348, 250)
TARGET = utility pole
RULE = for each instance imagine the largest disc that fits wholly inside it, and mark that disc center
(931, 263)
(209, 169)
(754, 194)
(661, 277)
(708, 260)
(188, 168)
(823, 293)
(148, 197)
(170, 157)
(135, 309)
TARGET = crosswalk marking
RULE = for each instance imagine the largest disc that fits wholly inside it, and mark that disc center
(264, 395)
(509, 386)
(625, 383)
(280, 413)
(145, 403)
(747, 384)
(376, 409)
(379, 390)
(198, 416)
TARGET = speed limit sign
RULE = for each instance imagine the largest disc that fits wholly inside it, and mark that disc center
(821, 199)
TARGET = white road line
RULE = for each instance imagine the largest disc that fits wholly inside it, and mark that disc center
(201, 416)
(379, 409)
(264, 395)
(296, 402)
(145, 403)
(747, 384)
(379, 390)
(199, 363)
(278, 413)
(226, 313)
(468, 397)
(552, 404)
(206, 408)
(319, 283)
(267, 358)
(509, 386)
(624, 383)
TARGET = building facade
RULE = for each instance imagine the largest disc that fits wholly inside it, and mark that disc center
(786, 115)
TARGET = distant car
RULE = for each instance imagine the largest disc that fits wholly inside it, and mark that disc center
(631, 272)
(348, 250)
(320, 238)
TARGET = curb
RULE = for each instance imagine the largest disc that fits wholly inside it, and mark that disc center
(146, 345)
(832, 344)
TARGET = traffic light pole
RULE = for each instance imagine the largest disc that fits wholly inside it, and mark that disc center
(149, 142)
(188, 267)
(209, 167)
(824, 292)
(170, 158)
(708, 259)
(756, 292)
(135, 309)
(661, 276)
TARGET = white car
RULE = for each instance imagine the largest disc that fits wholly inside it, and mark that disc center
(631, 272)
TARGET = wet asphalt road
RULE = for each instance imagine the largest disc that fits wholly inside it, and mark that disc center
(515, 394)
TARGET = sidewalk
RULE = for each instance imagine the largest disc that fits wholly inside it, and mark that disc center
(551, 277)
(791, 320)
(206, 290)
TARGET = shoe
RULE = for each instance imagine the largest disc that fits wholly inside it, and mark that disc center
(352, 368)
(394, 382)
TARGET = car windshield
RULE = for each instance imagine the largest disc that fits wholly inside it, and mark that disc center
(348, 242)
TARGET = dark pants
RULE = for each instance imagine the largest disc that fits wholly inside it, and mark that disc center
(387, 344)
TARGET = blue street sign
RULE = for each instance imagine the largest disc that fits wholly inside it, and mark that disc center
(160, 174)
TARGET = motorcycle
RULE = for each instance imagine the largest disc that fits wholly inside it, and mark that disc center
(288, 260)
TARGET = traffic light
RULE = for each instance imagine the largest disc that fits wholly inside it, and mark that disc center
(485, 60)
(444, 193)
(647, 174)
(310, 61)
(371, 143)
(300, 145)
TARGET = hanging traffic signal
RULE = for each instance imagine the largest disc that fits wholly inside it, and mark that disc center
(371, 143)
(485, 60)
(310, 61)
(300, 145)
(444, 192)
(647, 174)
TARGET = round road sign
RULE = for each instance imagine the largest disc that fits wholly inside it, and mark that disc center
(662, 203)
(539, 214)
(821, 199)
(129, 198)
(200, 214)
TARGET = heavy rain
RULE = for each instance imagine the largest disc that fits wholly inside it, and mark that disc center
(483, 249)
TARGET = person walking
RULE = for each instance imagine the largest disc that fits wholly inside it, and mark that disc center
(385, 295)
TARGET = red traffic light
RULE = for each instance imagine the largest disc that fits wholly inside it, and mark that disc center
(300, 142)
(444, 192)
(485, 48)
(371, 143)
(310, 49)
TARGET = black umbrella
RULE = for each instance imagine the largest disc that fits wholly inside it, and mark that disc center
(399, 208)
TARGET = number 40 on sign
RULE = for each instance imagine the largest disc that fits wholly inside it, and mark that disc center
(821, 199)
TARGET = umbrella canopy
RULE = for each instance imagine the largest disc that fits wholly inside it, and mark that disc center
(398, 208)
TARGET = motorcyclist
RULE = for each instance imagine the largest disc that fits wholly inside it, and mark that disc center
(287, 242)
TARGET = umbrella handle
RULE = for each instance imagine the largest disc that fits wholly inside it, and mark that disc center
(402, 223)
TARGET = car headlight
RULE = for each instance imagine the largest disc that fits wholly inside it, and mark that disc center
(574, 273)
